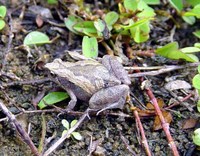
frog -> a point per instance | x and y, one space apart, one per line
104 84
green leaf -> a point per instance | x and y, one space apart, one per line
140 33
2 24
193 57
196 137
197 33
194 12
86 27
193 2
71 21
152 2
65 132
199 69
177 4
77 136
3 11
53 2
190 50
73 123
90 47
131 4
196 81
197 45
36 38
65 124
146 13
135 24
100 25
52 98
198 105
189 19
111 18
171 51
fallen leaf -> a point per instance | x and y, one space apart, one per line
160 104
157 124
189 123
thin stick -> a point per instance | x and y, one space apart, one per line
144 139
164 124
162 70
24 135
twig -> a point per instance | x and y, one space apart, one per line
164 124
144 139
24 135
162 70
28 82
179 102
9 41
72 129
42 138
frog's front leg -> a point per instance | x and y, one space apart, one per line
109 98
66 86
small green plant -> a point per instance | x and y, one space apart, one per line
187 16
132 20
172 51
3 11
52 98
66 124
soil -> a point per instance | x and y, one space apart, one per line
21 65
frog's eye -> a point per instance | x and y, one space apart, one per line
106 84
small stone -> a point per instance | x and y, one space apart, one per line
157 148
100 151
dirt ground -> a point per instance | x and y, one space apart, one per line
21 65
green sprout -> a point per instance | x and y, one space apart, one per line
76 135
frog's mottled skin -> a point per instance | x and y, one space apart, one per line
104 85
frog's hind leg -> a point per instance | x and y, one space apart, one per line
109 98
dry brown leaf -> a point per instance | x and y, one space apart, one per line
189 123
157 124
160 104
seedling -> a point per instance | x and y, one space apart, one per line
76 135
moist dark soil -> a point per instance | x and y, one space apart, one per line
19 65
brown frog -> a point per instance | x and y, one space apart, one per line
104 85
